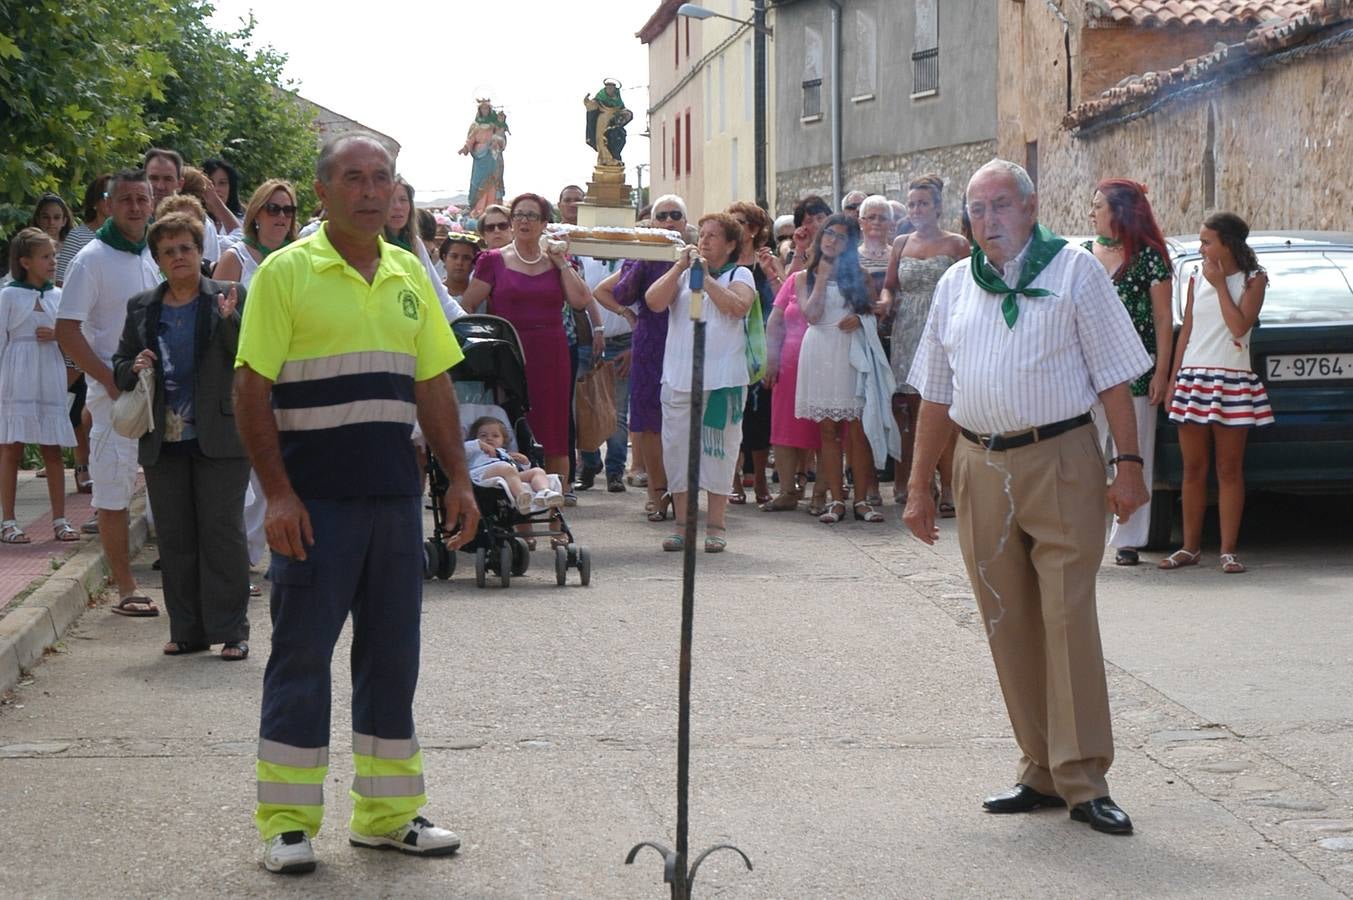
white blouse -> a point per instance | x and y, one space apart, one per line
725 339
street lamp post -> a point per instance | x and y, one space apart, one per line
761 31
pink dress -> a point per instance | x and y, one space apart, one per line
532 303
786 429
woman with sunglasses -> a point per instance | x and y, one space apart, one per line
528 285
495 226
269 224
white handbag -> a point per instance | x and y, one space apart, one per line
133 413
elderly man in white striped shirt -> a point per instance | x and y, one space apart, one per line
1022 340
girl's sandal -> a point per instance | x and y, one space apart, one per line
62 530
865 512
1179 559
11 533
715 543
83 484
836 511
1230 565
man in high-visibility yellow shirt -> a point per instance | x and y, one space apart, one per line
342 347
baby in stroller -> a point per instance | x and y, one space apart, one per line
488 460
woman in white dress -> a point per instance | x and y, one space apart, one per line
836 295
269 225
32 380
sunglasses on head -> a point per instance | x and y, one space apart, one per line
277 209
494 226
672 214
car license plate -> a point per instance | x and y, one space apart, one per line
1315 367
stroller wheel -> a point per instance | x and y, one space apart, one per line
446 564
481 567
584 566
560 565
521 557
505 564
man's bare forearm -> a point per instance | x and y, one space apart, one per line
1121 417
932 432
72 342
258 431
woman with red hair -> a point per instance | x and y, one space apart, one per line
1129 244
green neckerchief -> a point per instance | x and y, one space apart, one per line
109 234
1043 246
253 242
724 269
403 245
722 403
41 289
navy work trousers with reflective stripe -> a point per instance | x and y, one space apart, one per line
366 560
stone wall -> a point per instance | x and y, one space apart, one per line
1282 144
889 176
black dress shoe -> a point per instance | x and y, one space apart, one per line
1103 815
1020 798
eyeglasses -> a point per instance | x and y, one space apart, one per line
277 209
526 217
486 227
851 207
669 214
834 235
174 251
876 217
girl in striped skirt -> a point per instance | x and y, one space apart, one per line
1217 396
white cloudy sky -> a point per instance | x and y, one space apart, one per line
412 68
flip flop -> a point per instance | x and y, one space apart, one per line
127 607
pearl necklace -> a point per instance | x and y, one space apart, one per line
522 257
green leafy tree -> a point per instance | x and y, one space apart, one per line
87 85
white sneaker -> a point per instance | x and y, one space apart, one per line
552 498
525 500
417 836
289 853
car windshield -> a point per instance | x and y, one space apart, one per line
1305 287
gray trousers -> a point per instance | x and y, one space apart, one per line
198 505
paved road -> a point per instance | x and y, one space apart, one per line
847 723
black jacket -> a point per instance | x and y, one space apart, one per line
217 341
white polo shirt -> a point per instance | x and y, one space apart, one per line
99 282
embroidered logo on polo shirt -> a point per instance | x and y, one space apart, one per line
409 301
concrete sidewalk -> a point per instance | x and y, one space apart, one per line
45 585
846 724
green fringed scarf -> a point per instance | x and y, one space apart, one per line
723 407
109 234
1042 248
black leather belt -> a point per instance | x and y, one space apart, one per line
1032 436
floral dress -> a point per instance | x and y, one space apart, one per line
1146 271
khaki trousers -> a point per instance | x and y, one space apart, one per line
1037 599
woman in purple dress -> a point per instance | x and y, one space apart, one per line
624 292
528 286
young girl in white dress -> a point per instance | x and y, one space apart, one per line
32 381
1217 396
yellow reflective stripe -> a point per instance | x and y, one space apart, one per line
293 757
387 785
384 748
267 771
358 412
288 795
357 363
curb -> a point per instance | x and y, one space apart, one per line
41 620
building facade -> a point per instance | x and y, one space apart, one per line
1237 105
917 87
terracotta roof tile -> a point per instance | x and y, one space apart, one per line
1269 38
1194 12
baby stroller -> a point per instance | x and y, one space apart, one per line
491 381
